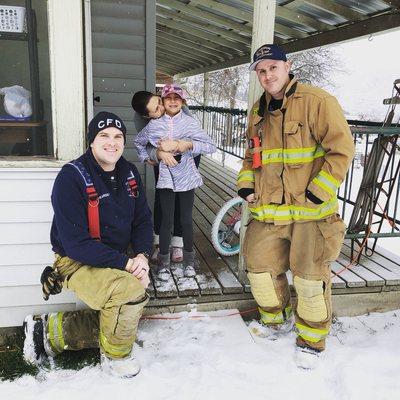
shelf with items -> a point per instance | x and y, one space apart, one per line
35 126
13 36
22 124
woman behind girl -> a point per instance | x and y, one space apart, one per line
182 137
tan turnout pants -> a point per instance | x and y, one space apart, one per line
306 248
116 299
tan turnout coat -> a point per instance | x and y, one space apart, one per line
305 145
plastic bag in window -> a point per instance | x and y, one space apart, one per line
17 101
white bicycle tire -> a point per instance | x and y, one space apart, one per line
215 227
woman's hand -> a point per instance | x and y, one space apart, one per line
168 145
184 146
167 158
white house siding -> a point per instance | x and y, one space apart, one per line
119 59
25 220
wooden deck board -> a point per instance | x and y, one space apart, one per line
150 289
384 258
370 278
351 279
165 288
220 184
217 278
228 172
388 255
388 277
230 184
337 282
206 279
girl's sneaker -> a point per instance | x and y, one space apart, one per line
177 254
189 264
156 251
163 263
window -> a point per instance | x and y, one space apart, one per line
25 124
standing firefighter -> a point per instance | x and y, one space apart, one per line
100 210
300 148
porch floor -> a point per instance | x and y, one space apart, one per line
218 282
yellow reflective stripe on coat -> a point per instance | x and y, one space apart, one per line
313 335
114 350
326 182
246 176
55 332
292 156
289 212
275 318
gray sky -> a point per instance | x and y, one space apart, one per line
372 65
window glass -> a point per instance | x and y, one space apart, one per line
25 102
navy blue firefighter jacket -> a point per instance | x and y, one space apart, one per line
124 220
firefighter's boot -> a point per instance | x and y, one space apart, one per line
307 358
36 346
273 325
127 367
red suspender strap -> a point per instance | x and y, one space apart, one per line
93 201
93 213
133 186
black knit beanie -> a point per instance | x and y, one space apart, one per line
104 120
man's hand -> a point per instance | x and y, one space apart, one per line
139 267
250 198
151 162
166 158
52 282
168 145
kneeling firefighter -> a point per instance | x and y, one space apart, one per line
300 148
100 210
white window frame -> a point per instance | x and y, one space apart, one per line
67 75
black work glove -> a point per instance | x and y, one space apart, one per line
313 198
244 192
51 281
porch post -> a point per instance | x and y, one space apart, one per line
263 32
67 75
206 98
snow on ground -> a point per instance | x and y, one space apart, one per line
217 358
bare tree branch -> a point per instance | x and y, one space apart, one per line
229 87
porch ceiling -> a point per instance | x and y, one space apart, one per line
197 36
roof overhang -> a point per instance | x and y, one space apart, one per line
198 36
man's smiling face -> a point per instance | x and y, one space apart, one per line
107 147
273 76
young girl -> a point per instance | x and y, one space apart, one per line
149 106
181 137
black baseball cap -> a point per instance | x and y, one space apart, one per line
267 52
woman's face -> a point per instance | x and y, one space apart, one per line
173 104
155 107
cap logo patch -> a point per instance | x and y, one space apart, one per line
263 51
108 122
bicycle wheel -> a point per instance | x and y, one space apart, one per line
226 227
